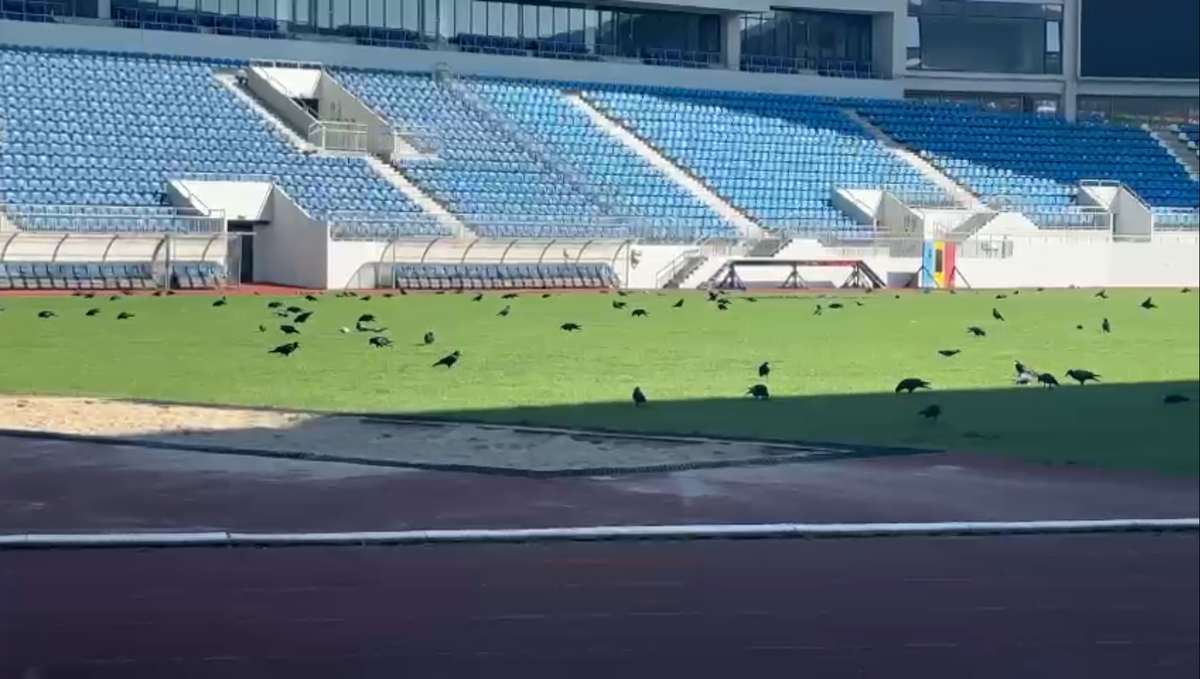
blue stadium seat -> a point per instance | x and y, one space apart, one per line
504 276
776 157
1036 163
96 131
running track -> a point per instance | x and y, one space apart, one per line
1086 606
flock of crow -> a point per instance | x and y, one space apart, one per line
296 316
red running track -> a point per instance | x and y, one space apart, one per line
1031 607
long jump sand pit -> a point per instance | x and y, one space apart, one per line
370 441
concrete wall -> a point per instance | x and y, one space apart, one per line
1062 261
351 263
245 201
297 83
103 38
653 258
275 95
338 103
293 249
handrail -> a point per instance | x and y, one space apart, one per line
674 266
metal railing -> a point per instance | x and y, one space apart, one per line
333 135
666 273
836 68
1175 219
1082 219
112 219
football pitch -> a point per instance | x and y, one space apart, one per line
831 381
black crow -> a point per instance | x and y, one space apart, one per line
1082 376
366 318
622 293
1022 368
262 328
303 318
89 295
295 310
311 298
712 296
639 398
124 316
677 305
1103 294
289 329
114 298
1041 289
221 302
931 412
571 327
911 384
285 349
92 312
448 360
505 311
509 295
379 342
997 315
1106 326
1172 399
765 369
477 298
1001 296
47 314
428 338
836 305
280 313
818 311
618 304
388 295
977 331
1148 303
367 298
274 305
858 303
1185 290
759 392
752 300
722 306
639 312
949 352
546 295
157 293
1047 379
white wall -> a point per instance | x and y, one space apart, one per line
297 83
64 36
246 201
653 259
1085 261
347 258
293 249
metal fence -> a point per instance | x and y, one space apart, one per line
85 219
332 135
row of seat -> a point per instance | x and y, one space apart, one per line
504 276
106 276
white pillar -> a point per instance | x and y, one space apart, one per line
103 9
731 34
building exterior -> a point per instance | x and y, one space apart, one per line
1067 57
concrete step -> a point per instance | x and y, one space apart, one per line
422 199
651 155
229 82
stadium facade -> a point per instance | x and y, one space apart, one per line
837 72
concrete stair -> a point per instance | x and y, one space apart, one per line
959 193
229 82
422 199
651 155
685 271
1177 147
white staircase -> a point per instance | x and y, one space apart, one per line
229 82
702 273
1186 156
652 156
961 195
420 198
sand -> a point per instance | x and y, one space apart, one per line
350 437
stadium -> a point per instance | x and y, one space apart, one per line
293 293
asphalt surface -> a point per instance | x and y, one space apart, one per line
1086 606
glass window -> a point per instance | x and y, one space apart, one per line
984 37
805 40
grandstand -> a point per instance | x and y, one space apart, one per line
220 148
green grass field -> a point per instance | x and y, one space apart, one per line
832 381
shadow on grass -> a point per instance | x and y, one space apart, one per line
1123 426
